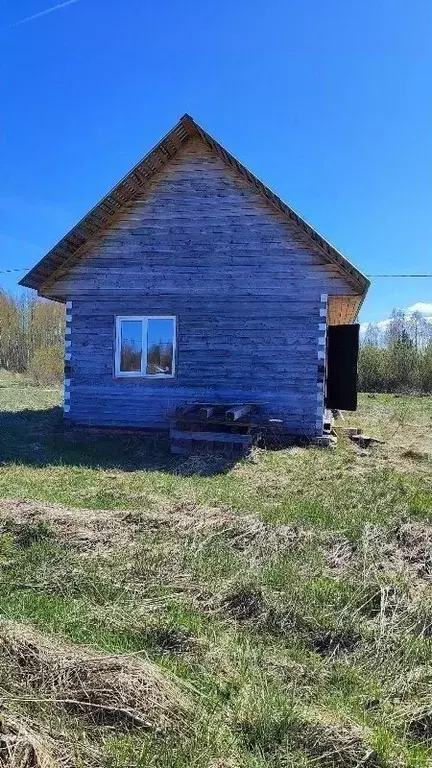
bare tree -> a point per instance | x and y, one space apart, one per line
27 325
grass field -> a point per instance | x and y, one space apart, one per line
172 612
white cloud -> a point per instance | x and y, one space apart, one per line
382 324
420 306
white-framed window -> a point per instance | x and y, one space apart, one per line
145 346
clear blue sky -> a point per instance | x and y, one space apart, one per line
328 102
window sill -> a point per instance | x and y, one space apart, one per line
146 377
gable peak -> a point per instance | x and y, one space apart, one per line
135 183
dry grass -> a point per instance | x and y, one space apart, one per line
337 745
404 549
47 676
157 612
404 424
23 746
108 689
98 531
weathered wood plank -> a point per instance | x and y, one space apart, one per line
243 282
216 437
206 411
233 414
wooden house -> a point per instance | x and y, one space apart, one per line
192 282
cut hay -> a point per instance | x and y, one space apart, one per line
416 719
336 745
320 736
89 531
123 691
414 546
93 532
21 746
242 531
419 726
405 549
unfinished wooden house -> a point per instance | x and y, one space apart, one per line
192 287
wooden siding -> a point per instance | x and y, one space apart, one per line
73 246
245 286
342 309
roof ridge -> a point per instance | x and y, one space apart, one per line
66 251
276 199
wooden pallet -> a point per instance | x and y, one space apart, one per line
213 428
187 442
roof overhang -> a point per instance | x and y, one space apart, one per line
69 249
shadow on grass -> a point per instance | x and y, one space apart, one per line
40 438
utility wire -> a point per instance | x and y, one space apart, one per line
426 275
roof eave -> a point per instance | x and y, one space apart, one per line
176 136
102 213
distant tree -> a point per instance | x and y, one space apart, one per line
396 327
402 363
28 324
12 342
426 368
371 368
419 329
373 336
398 359
46 365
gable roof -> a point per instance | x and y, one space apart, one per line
134 184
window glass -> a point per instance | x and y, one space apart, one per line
131 345
160 346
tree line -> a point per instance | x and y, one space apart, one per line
397 357
393 358
32 336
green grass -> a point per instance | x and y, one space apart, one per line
303 643
329 489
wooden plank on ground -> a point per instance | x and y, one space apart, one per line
206 411
238 412
217 437
181 410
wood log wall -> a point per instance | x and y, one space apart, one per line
243 282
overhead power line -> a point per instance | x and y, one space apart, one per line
425 275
